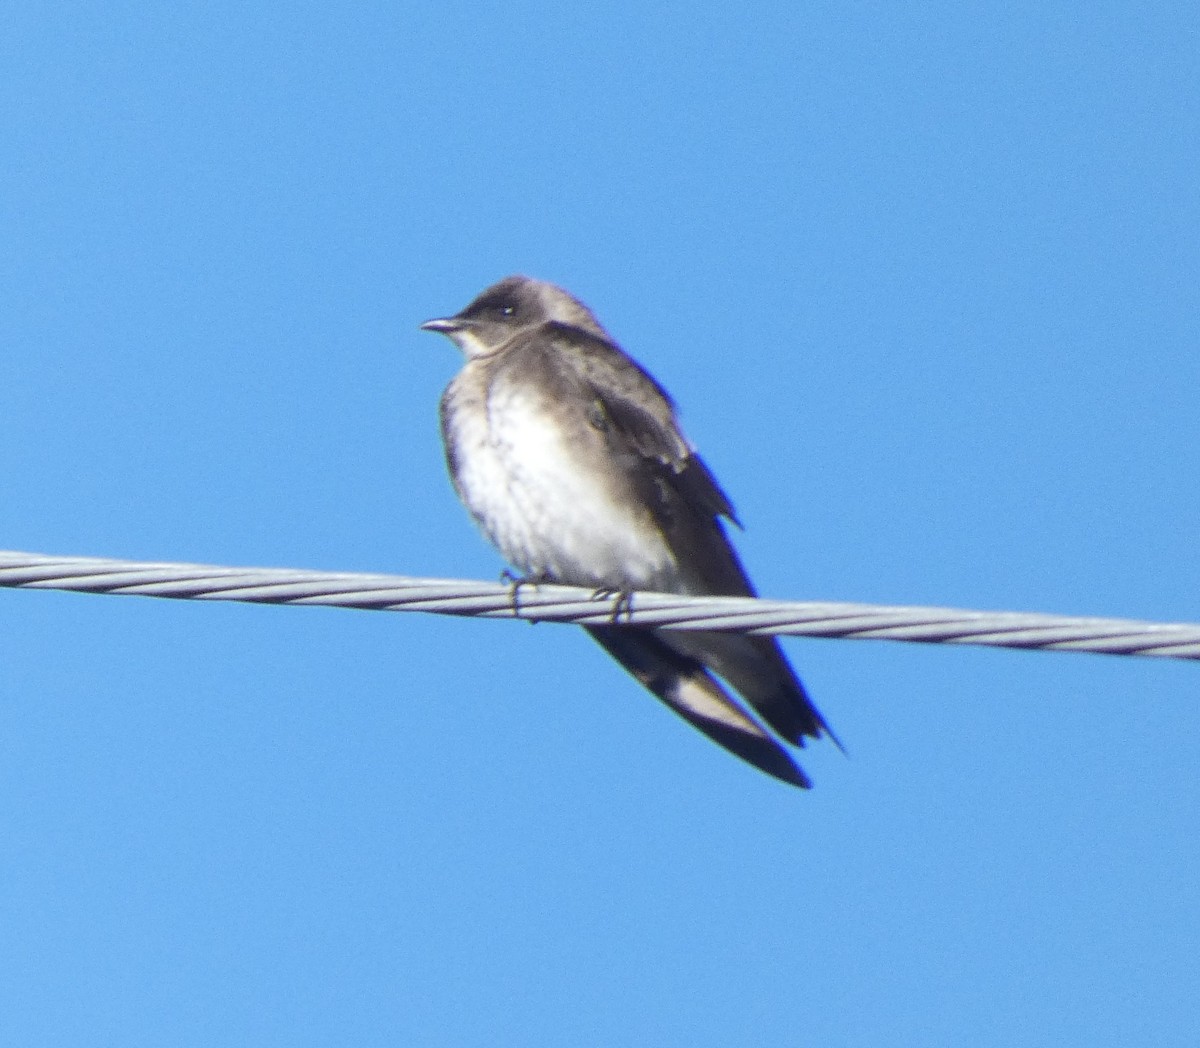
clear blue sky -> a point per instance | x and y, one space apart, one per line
924 282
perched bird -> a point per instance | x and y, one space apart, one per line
570 458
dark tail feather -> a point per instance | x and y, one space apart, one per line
684 685
756 669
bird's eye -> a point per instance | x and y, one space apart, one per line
497 308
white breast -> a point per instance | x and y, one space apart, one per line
549 504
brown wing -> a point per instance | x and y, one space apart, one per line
643 413
639 419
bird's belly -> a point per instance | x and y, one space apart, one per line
550 503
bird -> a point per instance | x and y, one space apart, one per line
569 456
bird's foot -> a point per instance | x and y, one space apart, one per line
622 603
515 582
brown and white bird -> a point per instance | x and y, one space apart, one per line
570 458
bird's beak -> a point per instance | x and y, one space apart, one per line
443 325
462 331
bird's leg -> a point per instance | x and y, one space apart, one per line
622 603
515 582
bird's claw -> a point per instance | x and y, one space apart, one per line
622 603
515 582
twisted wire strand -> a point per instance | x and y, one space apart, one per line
553 603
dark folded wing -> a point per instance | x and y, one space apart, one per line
644 415
671 479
